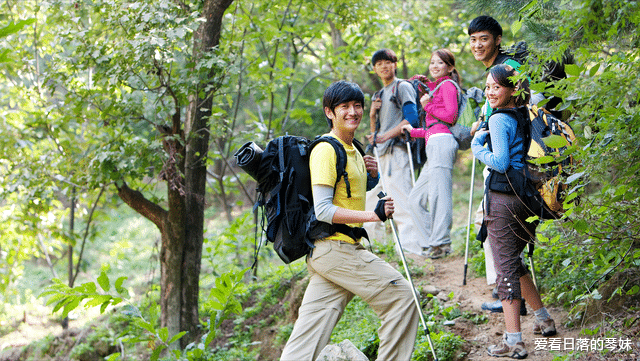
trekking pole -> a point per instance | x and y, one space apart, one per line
533 271
408 139
466 247
404 260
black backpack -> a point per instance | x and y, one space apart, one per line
417 146
518 52
284 192
552 70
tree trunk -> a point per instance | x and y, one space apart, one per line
182 225
207 38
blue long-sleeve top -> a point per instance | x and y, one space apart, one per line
506 147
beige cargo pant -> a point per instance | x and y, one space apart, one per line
338 271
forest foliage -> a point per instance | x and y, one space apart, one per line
73 130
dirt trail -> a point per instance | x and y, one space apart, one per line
447 276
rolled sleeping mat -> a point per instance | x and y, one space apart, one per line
249 157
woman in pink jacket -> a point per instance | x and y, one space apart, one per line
431 197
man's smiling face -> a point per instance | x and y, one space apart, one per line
385 69
484 46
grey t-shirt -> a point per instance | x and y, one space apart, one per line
390 115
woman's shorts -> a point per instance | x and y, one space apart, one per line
508 234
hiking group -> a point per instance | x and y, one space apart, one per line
369 189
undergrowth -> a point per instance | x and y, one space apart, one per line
568 274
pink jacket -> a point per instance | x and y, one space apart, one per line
443 105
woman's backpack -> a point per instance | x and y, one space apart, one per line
550 136
461 127
548 158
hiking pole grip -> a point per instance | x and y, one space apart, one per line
379 210
406 136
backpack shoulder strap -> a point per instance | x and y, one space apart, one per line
377 95
455 84
459 97
341 159
359 146
447 80
522 117
396 92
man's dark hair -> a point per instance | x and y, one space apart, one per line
384 54
485 23
341 92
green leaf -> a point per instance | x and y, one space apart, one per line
570 197
103 280
515 27
215 305
543 160
104 306
555 141
118 285
13 28
635 289
540 88
163 334
61 303
573 69
532 219
581 225
177 337
114 357
116 300
146 325
88 287
528 7
98 300
155 355
72 305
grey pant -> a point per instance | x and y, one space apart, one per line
432 194
338 271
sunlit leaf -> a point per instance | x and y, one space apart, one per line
555 141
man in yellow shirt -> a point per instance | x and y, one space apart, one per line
340 267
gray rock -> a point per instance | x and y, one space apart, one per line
344 351
429 289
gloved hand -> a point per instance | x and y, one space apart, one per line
379 210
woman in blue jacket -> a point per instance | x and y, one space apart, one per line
505 214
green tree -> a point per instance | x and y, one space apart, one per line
118 91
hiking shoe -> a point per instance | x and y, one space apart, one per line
496 306
494 293
504 350
546 328
439 251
